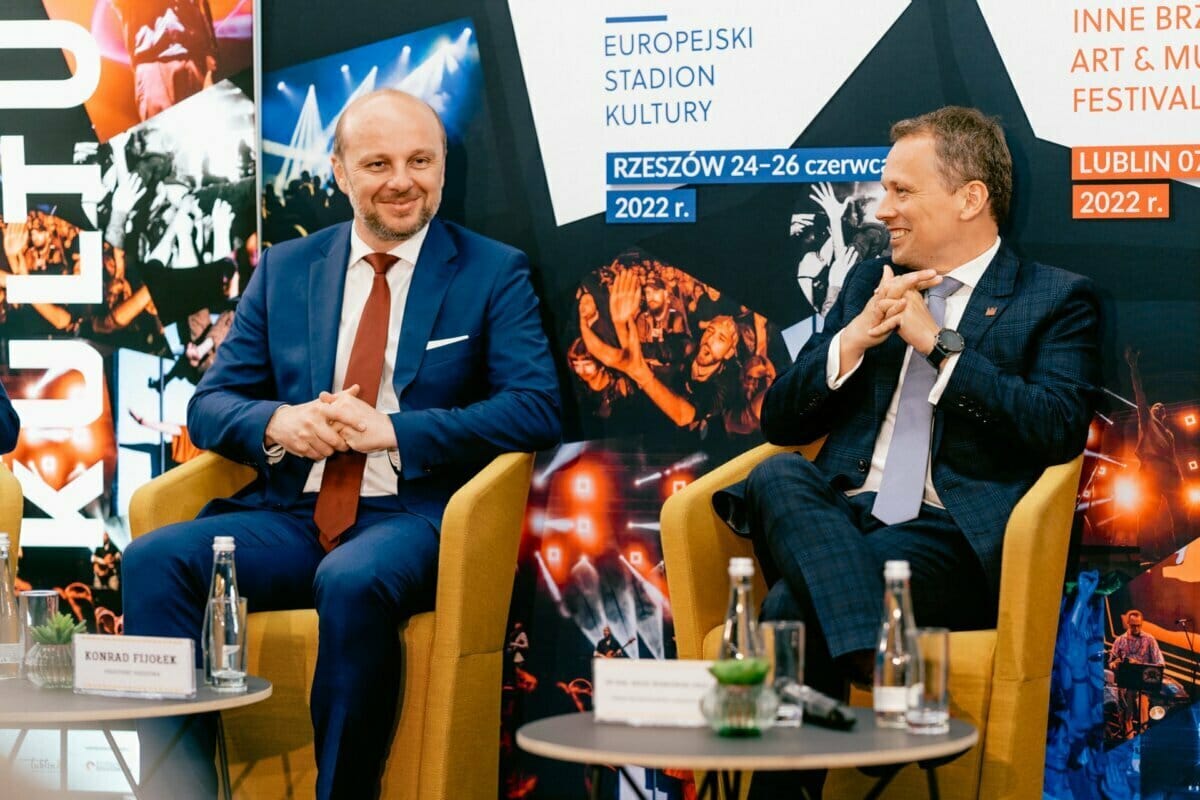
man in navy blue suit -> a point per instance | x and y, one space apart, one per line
466 374
947 378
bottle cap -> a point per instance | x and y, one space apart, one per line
741 567
896 570
223 543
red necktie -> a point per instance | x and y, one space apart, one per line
337 503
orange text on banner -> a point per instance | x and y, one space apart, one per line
1129 162
1121 201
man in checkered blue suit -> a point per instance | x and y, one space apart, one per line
1009 375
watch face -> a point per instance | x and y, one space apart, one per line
950 340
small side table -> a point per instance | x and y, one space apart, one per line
580 739
24 706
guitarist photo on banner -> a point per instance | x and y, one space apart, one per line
609 647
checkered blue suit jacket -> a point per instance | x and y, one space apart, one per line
1020 398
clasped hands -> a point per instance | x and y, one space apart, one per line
331 423
896 305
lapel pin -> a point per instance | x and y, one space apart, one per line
991 311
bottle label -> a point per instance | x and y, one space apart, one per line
11 653
891 698
915 694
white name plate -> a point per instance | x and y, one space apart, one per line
650 692
135 666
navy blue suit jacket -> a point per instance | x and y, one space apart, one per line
461 404
1020 399
10 423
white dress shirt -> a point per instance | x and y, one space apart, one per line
379 477
969 274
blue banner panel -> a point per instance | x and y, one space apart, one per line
799 165
648 206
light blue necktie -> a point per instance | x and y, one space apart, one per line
903 485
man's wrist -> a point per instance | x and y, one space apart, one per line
850 349
926 346
269 442
641 375
856 338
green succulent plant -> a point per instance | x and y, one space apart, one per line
740 672
59 630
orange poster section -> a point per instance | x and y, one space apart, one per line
1136 162
1121 201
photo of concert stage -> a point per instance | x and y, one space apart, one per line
1150 648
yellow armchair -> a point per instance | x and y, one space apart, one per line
12 509
446 743
999 679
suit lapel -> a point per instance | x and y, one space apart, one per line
990 297
326 286
431 278
988 301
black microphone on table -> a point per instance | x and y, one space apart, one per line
1183 621
821 709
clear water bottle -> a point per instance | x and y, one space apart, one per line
12 646
740 637
897 659
224 623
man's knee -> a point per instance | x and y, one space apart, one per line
156 553
175 554
345 582
782 472
160 572
141 551
346 586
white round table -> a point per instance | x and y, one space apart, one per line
580 739
25 706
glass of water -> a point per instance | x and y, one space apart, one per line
929 700
225 645
37 607
783 645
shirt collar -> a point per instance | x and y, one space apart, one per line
970 273
409 249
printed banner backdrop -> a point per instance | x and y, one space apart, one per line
728 159
127 170
709 174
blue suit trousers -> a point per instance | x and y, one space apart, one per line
383 572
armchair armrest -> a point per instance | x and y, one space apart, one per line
481 533
12 509
1035 560
697 546
179 494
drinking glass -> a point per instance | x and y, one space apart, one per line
929 701
226 645
37 607
783 645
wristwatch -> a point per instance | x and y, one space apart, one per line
945 344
